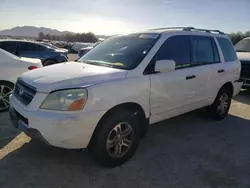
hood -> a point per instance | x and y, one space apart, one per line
243 56
70 75
31 60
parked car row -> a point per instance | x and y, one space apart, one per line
47 54
107 100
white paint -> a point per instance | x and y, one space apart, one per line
161 96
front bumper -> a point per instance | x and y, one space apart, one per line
20 122
61 129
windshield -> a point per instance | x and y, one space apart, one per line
243 46
123 52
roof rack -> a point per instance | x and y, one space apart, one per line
189 29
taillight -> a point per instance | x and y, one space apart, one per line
32 67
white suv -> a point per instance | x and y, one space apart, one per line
107 99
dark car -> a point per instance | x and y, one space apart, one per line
29 49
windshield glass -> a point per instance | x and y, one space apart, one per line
123 52
243 46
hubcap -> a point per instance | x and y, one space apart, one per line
5 92
223 106
119 140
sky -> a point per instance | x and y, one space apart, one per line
123 16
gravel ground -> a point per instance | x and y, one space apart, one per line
189 151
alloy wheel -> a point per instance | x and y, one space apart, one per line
223 105
119 140
5 92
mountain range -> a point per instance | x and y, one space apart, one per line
31 31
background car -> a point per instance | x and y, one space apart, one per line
29 49
11 67
83 51
53 46
243 51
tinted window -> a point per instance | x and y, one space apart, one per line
176 48
8 46
27 47
203 52
227 49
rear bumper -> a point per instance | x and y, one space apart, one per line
237 86
246 82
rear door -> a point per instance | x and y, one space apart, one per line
206 63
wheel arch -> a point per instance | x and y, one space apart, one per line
228 85
7 81
133 107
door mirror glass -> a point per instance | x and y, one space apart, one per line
164 66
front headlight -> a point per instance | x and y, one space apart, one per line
65 100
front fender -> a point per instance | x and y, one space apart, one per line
104 96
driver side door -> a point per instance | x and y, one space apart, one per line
173 93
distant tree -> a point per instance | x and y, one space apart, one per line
41 35
48 36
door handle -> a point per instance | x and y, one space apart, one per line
190 77
221 70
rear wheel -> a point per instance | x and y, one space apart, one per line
116 139
219 109
6 90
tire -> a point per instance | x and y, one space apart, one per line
105 143
49 62
6 88
219 109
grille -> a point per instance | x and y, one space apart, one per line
245 69
24 92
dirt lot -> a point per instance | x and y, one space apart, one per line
187 151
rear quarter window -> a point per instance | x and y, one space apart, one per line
227 49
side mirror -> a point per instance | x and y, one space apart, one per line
164 66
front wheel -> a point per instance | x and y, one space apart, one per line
219 109
116 139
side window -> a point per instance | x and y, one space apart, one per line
227 49
203 51
8 46
29 47
176 48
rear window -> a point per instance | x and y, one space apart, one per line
227 49
8 46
